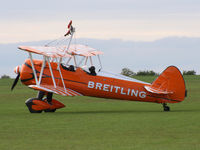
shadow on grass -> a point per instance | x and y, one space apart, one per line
105 112
123 111
186 110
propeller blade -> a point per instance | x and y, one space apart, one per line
15 82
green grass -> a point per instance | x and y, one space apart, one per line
99 124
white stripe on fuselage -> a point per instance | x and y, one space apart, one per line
119 76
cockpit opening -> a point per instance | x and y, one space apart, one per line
70 68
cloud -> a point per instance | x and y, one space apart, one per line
135 30
90 9
157 55
126 19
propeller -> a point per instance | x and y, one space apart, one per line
15 82
17 71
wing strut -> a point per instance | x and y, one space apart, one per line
62 78
42 69
68 60
86 60
54 83
91 60
33 68
100 62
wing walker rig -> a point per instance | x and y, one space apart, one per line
70 70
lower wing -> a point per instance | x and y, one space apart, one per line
58 90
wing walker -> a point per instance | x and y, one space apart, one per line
70 70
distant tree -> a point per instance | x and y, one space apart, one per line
146 73
190 72
5 77
127 72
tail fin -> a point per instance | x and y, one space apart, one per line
170 83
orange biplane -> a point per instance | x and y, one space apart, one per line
56 74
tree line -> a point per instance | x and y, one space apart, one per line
5 76
130 73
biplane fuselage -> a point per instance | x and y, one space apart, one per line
89 85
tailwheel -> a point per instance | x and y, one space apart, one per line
165 107
30 104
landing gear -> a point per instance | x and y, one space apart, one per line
47 104
48 99
29 103
165 107
37 105
40 95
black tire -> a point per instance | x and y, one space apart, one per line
166 108
29 104
50 110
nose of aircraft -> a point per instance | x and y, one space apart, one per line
17 69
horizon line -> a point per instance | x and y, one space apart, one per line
90 38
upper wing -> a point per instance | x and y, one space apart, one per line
61 51
83 50
53 52
58 90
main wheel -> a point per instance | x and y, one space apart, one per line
166 108
29 103
49 110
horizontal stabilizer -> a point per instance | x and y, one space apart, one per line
156 91
58 90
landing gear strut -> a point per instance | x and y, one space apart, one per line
165 107
48 99
40 95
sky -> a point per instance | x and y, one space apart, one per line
143 20
110 25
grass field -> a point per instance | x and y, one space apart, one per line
99 124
